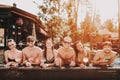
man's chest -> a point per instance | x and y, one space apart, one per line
106 56
66 54
31 53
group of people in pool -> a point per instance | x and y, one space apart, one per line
65 55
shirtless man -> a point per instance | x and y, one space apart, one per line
106 56
66 54
32 55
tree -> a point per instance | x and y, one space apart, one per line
87 28
109 25
50 15
59 17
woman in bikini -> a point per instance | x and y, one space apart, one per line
13 56
83 56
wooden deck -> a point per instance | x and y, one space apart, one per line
76 73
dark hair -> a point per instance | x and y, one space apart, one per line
10 40
75 48
45 48
45 52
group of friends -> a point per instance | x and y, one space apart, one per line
65 55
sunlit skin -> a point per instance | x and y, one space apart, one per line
83 56
66 55
51 53
104 57
32 55
49 50
13 54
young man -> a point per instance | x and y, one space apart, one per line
32 55
66 54
106 56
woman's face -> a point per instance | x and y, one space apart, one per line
49 43
11 45
79 46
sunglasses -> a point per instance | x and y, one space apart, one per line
30 41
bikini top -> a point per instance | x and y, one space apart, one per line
11 60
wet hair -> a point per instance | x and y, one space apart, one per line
67 39
11 40
45 47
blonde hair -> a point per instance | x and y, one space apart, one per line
11 40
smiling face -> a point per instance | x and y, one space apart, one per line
107 48
11 44
49 43
67 41
30 41
79 46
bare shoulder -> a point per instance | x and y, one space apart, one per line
60 49
38 48
19 51
71 48
55 51
99 52
7 51
114 53
24 49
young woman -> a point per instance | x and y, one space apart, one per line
83 56
49 52
13 56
